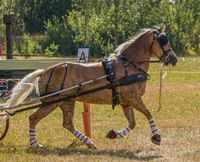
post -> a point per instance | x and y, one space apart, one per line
83 54
86 119
160 90
8 20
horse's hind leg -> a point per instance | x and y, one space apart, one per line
68 113
139 105
129 114
34 119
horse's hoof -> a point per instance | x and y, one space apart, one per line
156 139
111 134
36 146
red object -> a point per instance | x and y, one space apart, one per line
1 49
86 119
111 134
2 81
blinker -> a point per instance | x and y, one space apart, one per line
162 39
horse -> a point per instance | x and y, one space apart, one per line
131 57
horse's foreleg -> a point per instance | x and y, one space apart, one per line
139 105
68 113
129 114
34 119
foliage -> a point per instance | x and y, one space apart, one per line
52 50
29 46
35 13
103 24
6 7
60 33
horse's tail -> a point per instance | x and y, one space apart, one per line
21 91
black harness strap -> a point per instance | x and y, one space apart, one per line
109 70
125 59
63 82
125 63
50 76
49 80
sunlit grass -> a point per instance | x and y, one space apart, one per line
178 121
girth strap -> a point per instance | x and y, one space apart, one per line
50 76
49 80
63 82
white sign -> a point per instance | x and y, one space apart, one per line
83 54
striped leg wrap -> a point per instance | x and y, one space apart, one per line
154 128
123 133
82 137
33 138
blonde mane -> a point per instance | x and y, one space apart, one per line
126 44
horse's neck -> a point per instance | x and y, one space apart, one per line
138 52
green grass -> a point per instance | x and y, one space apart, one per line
178 121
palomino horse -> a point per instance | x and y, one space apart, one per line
137 52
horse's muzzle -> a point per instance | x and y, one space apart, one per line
173 60
170 58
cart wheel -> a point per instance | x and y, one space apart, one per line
4 125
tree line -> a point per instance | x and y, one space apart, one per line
101 24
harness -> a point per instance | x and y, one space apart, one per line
127 79
49 80
111 77
109 70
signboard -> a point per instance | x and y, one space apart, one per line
83 54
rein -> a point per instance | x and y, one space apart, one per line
150 61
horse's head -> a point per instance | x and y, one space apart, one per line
160 47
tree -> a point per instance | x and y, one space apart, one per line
6 8
103 24
35 13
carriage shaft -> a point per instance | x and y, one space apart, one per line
54 94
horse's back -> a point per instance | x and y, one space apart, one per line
67 74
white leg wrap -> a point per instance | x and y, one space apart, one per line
124 132
33 138
82 137
153 126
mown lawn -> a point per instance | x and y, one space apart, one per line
178 121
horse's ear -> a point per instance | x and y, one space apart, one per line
156 27
161 29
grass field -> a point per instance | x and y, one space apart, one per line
178 121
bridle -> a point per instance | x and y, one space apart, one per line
162 41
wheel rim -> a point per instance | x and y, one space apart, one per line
4 126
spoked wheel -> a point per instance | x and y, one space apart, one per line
4 96
4 126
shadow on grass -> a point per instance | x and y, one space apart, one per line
122 153
84 151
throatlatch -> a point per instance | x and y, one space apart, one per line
109 70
